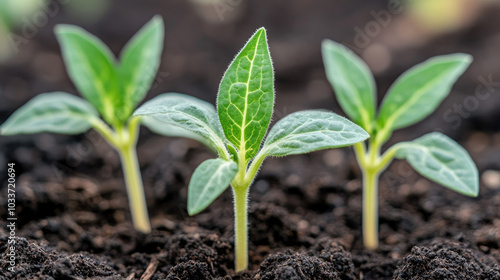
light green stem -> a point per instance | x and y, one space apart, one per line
372 164
124 140
135 189
240 228
370 209
241 185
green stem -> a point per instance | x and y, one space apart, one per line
124 141
370 208
240 185
241 227
372 164
132 173
135 190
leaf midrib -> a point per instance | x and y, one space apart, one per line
416 96
365 118
106 102
243 126
427 151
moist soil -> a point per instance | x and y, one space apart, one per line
72 212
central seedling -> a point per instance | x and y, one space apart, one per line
413 96
236 131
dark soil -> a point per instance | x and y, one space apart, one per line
305 211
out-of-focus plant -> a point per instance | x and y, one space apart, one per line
412 97
112 88
443 16
12 14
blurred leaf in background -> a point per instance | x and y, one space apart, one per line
19 16
12 14
444 16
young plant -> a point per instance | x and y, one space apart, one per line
113 90
414 95
236 131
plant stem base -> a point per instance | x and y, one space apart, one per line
241 228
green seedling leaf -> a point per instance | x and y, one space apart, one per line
114 89
209 181
441 159
246 96
162 128
353 83
56 112
307 131
91 67
191 117
140 60
419 91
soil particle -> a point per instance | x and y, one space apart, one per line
191 270
334 253
325 260
197 256
270 225
38 261
447 260
297 266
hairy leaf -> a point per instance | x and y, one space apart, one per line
139 63
419 91
209 181
190 117
165 129
56 112
441 159
91 67
308 131
353 83
246 96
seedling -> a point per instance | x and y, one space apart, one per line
413 96
113 90
236 131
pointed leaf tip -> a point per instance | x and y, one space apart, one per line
246 96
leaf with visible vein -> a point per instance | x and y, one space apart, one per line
353 83
246 96
441 159
419 91
91 67
209 181
139 63
188 114
307 131
56 112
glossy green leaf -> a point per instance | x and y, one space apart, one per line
246 96
209 181
56 112
91 67
441 159
139 63
191 117
419 91
307 131
353 83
